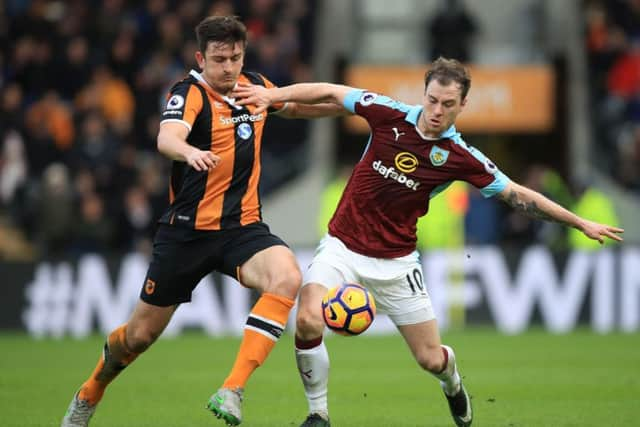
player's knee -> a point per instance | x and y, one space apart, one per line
140 339
431 361
309 321
287 284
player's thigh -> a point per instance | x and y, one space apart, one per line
401 295
180 259
331 265
273 270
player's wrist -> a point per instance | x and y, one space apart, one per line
276 95
579 223
189 152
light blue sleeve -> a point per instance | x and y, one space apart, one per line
499 183
500 180
352 97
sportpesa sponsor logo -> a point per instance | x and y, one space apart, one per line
390 172
241 119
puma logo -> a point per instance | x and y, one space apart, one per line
398 134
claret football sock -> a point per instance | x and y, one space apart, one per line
449 376
312 359
115 357
264 327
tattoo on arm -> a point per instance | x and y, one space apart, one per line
530 208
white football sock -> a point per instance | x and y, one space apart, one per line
449 378
313 366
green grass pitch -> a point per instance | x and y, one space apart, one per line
533 379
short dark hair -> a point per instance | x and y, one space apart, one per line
444 71
223 29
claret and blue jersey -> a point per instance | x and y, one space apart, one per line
400 170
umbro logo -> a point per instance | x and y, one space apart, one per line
397 133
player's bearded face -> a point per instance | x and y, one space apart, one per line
221 65
442 104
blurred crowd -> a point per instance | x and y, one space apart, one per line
82 84
613 46
81 87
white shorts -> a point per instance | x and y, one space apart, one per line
395 283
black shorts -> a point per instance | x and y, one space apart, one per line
182 257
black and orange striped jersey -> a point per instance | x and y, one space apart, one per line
227 195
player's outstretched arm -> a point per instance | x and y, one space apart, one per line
296 110
535 205
301 93
172 142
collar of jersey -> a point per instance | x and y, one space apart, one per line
412 117
196 75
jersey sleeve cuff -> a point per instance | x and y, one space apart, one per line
498 185
187 125
351 98
282 108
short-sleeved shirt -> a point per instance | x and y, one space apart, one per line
227 195
399 172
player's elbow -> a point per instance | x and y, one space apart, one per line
159 143
289 111
163 142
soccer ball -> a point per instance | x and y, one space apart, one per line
348 309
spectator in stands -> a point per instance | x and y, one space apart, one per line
13 167
613 42
73 70
443 227
623 79
52 212
11 110
110 95
604 41
122 56
55 117
481 223
49 131
221 8
110 63
96 149
451 31
136 221
597 205
92 230
628 161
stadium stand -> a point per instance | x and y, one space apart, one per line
613 45
81 87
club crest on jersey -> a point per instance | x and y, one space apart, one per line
244 131
438 156
175 102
